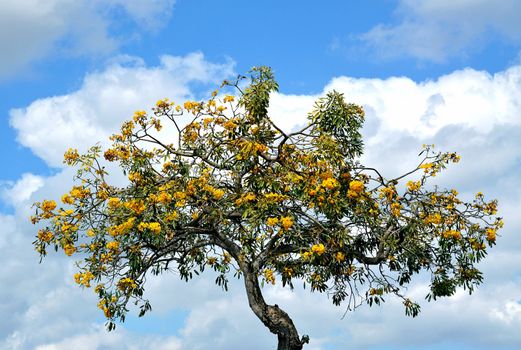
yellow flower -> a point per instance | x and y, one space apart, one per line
452 234
113 202
413 186
69 249
491 234
396 208
318 249
45 236
228 98
218 194
127 284
171 216
48 205
433 219
340 257
114 246
272 221
286 222
269 276
71 156
135 205
331 183
79 192
356 186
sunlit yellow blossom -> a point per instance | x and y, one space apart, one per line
90 233
339 256
45 236
123 228
164 197
113 202
491 234
413 186
433 219
228 98
154 227
330 183
127 284
356 186
69 249
286 222
113 245
396 208
71 156
318 249
135 205
218 194
83 278
452 234
272 221
48 205
269 276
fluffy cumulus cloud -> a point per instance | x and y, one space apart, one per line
105 99
469 111
32 29
435 30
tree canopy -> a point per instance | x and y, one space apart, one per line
222 187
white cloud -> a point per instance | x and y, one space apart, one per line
468 111
32 29
436 30
22 190
50 125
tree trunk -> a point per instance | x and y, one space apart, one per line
277 321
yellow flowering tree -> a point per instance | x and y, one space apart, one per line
233 192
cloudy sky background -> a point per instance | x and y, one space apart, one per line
430 71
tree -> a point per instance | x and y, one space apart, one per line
231 191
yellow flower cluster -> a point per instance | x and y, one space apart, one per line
248 197
45 236
318 249
491 234
340 257
139 116
434 218
154 227
69 249
396 208
48 205
127 284
452 234
413 185
71 156
355 189
79 192
136 205
113 246
172 216
228 98
123 228
272 221
388 192
286 222
83 278
330 183
269 276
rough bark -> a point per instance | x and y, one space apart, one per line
274 318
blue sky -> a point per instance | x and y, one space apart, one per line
429 71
